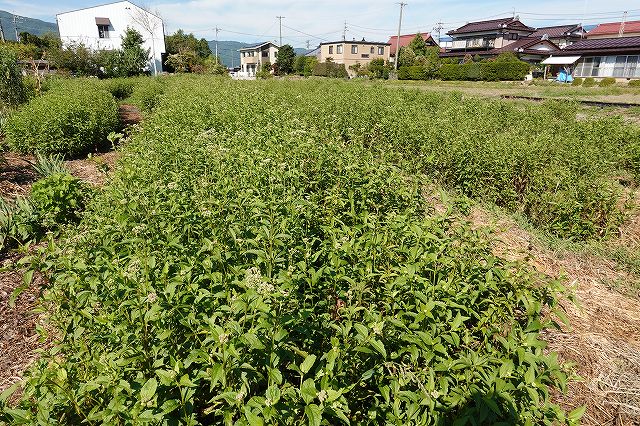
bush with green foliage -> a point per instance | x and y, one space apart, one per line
120 88
61 122
589 82
55 200
506 67
59 199
12 88
634 83
330 69
577 81
284 267
607 81
147 93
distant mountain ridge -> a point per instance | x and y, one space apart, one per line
228 51
30 25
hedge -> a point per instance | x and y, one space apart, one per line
330 69
486 71
63 122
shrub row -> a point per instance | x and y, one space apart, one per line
277 262
485 71
330 69
63 122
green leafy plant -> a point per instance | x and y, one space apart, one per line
59 199
589 82
577 81
634 83
12 89
66 123
46 165
284 266
607 82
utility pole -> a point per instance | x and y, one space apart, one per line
280 19
217 30
344 31
16 19
624 20
308 44
438 28
395 65
1 32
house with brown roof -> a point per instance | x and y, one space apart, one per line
617 57
405 39
615 29
560 35
483 36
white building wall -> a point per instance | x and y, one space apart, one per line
79 26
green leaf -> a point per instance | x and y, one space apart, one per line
314 414
379 347
252 418
273 394
307 363
308 391
148 390
577 414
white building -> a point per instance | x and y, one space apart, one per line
253 57
102 28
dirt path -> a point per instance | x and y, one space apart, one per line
603 338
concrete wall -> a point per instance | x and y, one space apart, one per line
80 27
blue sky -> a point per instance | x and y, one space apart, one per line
323 20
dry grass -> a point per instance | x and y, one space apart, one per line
603 339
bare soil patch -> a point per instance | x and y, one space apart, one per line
18 337
603 336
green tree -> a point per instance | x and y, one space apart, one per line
284 59
128 61
180 42
76 59
406 57
12 89
299 63
134 56
418 45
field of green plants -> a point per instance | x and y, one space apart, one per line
268 253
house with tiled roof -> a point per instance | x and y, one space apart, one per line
528 49
560 35
615 29
405 39
617 57
476 37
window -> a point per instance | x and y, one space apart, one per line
513 36
365 55
339 49
265 53
626 66
381 50
354 49
373 50
103 31
589 67
595 71
330 50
